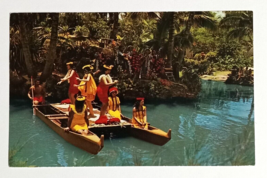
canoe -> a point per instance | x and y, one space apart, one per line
54 118
118 129
151 135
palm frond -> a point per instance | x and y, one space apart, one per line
239 32
240 24
204 21
237 19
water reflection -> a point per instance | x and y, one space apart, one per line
60 155
226 112
219 90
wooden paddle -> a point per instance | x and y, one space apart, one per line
33 106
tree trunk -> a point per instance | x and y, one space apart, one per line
181 54
25 45
171 39
113 34
189 23
103 16
175 68
177 65
48 69
111 18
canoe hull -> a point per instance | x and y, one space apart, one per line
155 136
152 134
90 143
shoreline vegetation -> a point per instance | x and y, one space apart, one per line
130 90
165 54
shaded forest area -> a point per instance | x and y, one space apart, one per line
166 52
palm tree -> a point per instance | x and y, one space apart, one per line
162 31
24 38
239 24
184 39
170 23
52 48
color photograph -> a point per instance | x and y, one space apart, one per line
131 89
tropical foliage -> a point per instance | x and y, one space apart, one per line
136 32
98 27
195 42
239 24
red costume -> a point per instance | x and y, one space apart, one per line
66 101
73 81
40 99
102 92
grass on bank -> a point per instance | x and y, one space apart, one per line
19 162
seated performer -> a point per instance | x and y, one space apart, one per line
78 121
114 108
38 92
88 87
139 114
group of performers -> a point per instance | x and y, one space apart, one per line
83 91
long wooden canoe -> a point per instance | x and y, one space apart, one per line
151 135
54 119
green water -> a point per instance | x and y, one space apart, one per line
216 129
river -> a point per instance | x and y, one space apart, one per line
215 129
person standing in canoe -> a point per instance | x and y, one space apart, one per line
71 76
139 114
39 93
88 87
105 82
114 108
78 121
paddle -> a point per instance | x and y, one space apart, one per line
33 106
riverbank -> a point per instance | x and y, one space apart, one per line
218 76
129 88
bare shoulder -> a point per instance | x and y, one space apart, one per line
103 76
134 109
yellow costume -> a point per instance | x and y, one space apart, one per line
114 104
139 115
89 89
78 120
